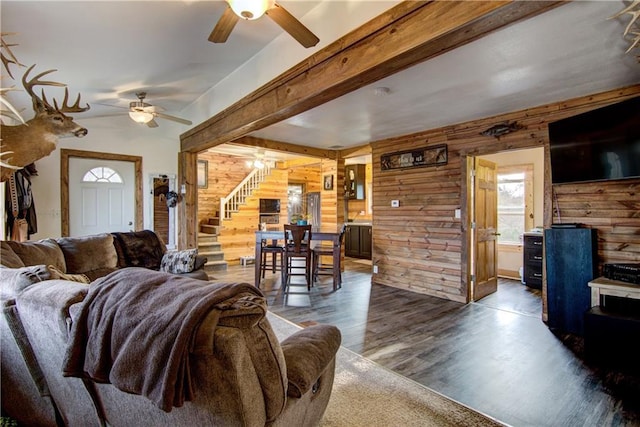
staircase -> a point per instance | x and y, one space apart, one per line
209 246
238 196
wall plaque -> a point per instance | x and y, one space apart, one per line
430 156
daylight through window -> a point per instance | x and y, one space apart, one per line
511 207
102 174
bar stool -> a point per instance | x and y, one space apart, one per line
273 249
297 247
326 250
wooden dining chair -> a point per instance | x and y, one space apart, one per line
274 251
324 249
297 247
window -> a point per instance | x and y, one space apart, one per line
515 200
102 174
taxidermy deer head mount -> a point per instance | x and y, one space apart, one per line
37 138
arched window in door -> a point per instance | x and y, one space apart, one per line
102 174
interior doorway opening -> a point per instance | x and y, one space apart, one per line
496 250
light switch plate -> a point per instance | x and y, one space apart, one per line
395 203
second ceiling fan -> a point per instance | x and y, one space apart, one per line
254 9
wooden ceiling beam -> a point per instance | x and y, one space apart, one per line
407 34
285 147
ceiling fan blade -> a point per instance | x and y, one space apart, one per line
152 124
173 118
291 25
224 26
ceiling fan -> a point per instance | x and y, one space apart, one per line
254 9
143 113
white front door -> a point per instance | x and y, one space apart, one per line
101 196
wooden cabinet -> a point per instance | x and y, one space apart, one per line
354 177
358 241
532 275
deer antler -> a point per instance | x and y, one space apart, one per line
39 104
10 57
6 165
6 103
634 10
75 108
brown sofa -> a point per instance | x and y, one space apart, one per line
94 256
240 373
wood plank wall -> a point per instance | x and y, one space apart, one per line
238 234
226 172
421 247
331 201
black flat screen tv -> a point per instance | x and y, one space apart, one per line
602 144
269 206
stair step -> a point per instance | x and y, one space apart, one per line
216 265
209 246
213 221
212 255
209 229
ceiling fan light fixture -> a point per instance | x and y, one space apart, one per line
141 116
250 9
258 164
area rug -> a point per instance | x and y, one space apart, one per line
367 394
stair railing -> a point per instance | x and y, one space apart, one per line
238 195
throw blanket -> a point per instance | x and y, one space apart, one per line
135 329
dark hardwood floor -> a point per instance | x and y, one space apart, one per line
495 355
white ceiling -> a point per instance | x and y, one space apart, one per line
107 51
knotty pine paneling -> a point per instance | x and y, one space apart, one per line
224 174
237 234
332 201
421 247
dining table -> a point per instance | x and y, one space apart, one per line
317 235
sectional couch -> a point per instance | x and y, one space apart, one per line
239 374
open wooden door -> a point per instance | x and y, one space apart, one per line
486 227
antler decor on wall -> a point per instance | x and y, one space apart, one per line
632 31
34 139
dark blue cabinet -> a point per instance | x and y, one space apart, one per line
570 256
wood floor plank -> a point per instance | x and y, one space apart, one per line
495 355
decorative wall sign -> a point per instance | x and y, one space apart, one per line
430 156
328 182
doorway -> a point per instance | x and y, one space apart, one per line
163 217
66 157
517 206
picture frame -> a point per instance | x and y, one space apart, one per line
428 156
328 182
203 171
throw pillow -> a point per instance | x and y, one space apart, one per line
39 252
88 253
57 274
15 280
179 261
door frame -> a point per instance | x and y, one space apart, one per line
467 255
66 154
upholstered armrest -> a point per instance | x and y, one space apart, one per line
307 354
201 260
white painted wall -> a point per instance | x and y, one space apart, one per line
159 146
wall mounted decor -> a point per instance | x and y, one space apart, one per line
429 156
328 182
502 129
203 171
